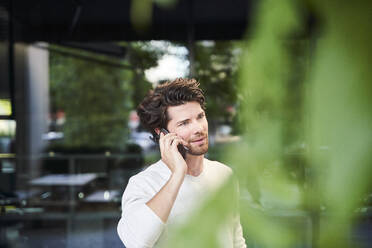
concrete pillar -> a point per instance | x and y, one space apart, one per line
31 76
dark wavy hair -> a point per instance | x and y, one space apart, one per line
152 111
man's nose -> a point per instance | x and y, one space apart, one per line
197 127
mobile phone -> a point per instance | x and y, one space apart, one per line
181 148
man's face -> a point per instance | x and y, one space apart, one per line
189 122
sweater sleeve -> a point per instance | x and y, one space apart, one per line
139 226
239 241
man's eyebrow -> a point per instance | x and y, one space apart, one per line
201 113
178 122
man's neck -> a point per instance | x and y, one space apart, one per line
194 165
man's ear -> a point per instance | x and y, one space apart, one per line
157 131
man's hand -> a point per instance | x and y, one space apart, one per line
163 201
170 155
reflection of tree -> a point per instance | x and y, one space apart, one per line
215 67
141 56
97 98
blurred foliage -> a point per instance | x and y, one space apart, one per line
339 104
304 107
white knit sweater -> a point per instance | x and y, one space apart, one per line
140 227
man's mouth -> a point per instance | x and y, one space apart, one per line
198 141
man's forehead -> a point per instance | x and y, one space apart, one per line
184 111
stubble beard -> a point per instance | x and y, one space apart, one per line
199 150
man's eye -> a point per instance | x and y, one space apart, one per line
201 116
183 124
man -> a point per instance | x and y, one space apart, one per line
167 191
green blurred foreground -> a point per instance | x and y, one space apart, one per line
307 136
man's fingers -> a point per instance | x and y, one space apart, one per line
178 140
170 141
181 141
172 137
161 141
184 142
166 140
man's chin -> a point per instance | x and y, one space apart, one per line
198 151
